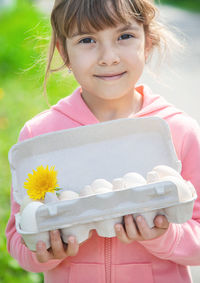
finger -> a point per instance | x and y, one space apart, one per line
57 245
90 236
41 252
161 221
121 234
22 242
73 246
143 227
130 227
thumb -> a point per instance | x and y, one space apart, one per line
161 221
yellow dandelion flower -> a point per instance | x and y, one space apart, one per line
42 180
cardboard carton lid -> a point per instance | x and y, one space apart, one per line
106 150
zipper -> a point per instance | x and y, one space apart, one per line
108 247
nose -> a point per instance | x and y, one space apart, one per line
109 56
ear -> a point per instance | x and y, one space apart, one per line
60 48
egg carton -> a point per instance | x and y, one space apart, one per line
102 211
105 150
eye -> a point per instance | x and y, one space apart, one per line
126 36
87 40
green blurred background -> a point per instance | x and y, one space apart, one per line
24 38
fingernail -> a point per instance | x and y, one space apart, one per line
71 240
139 219
129 218
118 228
40 245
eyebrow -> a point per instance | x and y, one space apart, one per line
124 28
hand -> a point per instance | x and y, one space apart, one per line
138 230
58 249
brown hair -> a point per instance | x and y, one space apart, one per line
99 14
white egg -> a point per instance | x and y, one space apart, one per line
87 190
26 200
101 183
133 179
102 190
28 221
163 171
50 197
183 187
152 177
67 195
118 184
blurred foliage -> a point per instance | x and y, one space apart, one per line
192 5
24 39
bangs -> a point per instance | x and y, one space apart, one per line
95 15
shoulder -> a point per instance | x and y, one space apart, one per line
47 121
184 124
62 115
185 132
37 123
186 137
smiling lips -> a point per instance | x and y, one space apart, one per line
109 77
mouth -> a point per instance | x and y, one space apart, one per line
110 77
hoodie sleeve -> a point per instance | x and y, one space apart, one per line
181 242
17 250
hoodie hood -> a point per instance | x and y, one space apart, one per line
76 109
155 105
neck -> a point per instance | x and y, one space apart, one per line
123 107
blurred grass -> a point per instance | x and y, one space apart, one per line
24 36
191 5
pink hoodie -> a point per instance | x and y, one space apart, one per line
162 260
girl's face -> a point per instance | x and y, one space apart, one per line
108 63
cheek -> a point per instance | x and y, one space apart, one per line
136 52
141 51
80 71
80 61
136 59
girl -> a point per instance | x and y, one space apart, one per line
105 43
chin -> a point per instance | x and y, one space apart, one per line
112 96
